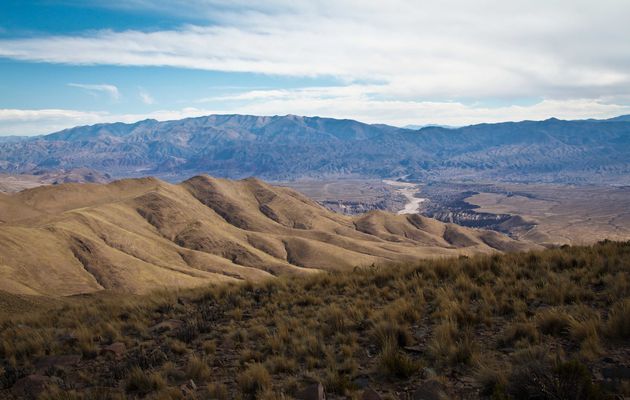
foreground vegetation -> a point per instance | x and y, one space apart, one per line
546 325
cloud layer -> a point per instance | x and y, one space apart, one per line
401 61
447 49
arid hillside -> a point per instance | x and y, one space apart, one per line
545 325
138 235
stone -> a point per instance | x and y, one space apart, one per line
361 381
370 394
69 339
167 325
117 349
414 349
312 392
428 373
188 388
430 390
31 386
616 373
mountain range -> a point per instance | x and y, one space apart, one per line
291 147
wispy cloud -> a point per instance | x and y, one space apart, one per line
313 103
437 50
146 97
363 103
43 121
426 61
110 90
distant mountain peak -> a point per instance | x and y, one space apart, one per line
292 146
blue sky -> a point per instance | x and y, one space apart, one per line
71 62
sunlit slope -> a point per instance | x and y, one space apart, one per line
138 235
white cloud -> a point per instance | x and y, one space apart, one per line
111 90
399 62
36 122
359 102
146 97
437 50
336 103
33 122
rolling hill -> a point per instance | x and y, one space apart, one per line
137 235
290 147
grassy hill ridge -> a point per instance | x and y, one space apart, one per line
138 235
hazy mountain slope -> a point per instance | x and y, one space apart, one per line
285 147
16 182
136 235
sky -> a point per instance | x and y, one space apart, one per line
65 63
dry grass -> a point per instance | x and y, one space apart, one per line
394 363
618 324
490 321
254 381
140 382
197 369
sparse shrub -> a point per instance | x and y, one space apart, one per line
554 322
9 374
209 347
197 369
249 355
386 331
404 310
239 336
218 391
335 319
540 379
21 344
236 314
618 323
254 381
53 392
178 347
189 331
583 328
258 331
336 380
281 364
146 358
172 373
141 382
585 332
442 345
522 333
465 350
492 381
394 363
